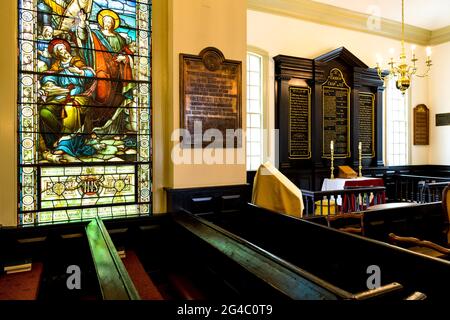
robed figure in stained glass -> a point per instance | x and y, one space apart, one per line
108 53
65 90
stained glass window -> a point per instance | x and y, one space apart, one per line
84 109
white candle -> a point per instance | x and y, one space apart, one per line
379 60
332 146
428 52
392 52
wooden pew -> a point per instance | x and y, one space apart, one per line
114 281
50 252
52 249
284 276
422 228
198 261
337 257
180 262
423 221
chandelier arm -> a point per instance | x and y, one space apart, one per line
424 75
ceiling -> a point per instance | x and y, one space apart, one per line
427 14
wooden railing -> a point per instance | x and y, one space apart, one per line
341 201
432 192
420 189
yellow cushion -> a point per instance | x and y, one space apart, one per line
274 191
324 204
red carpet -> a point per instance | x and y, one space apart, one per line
23 285
144 285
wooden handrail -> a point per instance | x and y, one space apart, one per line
114 281
422 243
383 290
422 177
342 191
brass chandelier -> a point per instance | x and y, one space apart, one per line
401 71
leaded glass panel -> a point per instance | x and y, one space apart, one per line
84 109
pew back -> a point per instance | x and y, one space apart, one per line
114 281
339 258
423 221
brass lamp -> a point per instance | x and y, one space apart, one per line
401 71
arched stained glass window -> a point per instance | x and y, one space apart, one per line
84 109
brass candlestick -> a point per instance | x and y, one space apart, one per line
332 160
360 159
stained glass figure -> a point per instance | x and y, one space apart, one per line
84 109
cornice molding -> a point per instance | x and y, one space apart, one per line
440 36
342 18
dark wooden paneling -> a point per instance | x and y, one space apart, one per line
295 71
208 199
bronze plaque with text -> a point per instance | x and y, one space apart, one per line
210 99
367 124
336 115
421 125
299 123
442 119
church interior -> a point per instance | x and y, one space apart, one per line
225 150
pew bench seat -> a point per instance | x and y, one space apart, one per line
144 285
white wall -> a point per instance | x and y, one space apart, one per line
195 25
283 35
439 97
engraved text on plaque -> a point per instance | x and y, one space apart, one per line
336 115
299 123
367 124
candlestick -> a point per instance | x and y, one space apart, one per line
360 158
332 158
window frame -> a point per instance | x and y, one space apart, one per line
265 134
390 88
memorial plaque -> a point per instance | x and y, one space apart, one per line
336 115
421 125
443 119
367 124
210 98
299 123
